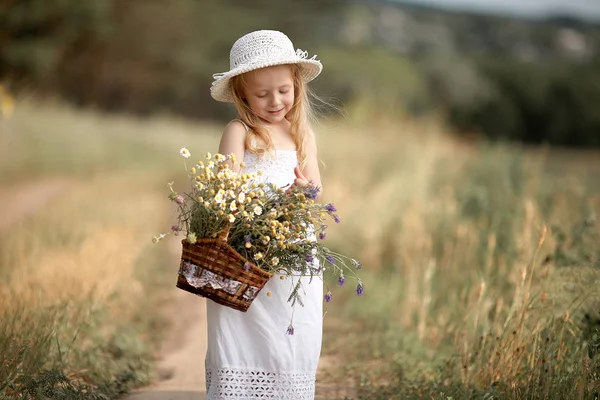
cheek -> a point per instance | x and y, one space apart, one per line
290 98
254 103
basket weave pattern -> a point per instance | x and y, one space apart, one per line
211 268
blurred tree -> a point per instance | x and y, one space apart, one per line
36 36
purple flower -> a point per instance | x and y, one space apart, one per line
360 288
336 218
330 207
328 296
179 199
309 258
248 239
341 280
322 235
175 228
312 191
356 263
331 259
290 330
247 266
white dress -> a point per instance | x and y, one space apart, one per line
249 354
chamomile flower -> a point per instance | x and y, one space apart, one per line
231 218
185 152
158 238
257 210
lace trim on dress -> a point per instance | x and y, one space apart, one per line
238 383
280 165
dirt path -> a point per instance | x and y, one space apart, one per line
20 201
181 361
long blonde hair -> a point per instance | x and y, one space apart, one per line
300 116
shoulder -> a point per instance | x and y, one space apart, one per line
235 131
233 138
236 127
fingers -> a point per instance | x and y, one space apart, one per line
300 182
299 174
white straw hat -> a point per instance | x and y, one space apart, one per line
261 49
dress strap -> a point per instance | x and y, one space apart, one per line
241 122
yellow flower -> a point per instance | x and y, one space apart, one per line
208 156
241 198
257 210
233 158
200 185
231 218
258 256
193 170
200 199
274 261
220 213
248 245
233 206
269 294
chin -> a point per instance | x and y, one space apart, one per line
273 119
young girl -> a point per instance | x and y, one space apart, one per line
250 355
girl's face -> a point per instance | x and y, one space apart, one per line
270 92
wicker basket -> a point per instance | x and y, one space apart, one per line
211 268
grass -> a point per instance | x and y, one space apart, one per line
482 272
76 316
480 261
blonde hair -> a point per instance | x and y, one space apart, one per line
300 116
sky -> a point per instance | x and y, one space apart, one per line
588 9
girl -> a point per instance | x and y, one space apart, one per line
250 355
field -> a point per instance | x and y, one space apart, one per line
481 261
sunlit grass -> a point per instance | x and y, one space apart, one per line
482 269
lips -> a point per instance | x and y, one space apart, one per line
275 112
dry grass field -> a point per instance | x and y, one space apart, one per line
481 261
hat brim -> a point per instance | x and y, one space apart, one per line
220 90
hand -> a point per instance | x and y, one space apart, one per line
300 180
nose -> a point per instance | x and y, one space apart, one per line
275 100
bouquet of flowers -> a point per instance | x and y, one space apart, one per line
239 232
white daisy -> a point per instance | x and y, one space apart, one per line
185 152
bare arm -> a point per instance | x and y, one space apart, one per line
311 168
233 141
